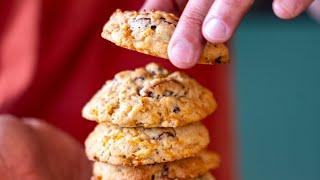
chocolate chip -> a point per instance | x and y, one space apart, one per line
141 78
167 93
152 177
165 171
147 19
167 134
143 21
161 70
218 60
139 124
168 22
150 94
153 27
176 109
165 21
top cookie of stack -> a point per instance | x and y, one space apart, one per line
149 32
150 97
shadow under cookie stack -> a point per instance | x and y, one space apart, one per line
149 127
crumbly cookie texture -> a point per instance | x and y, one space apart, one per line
140 146
150 97
206 176
149 32
189 168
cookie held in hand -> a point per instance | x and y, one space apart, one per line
149 32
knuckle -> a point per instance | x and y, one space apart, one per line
238 3
193 17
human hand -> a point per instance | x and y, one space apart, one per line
314 10
33 150
213 20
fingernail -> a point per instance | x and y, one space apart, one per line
286 8
215 30
183 54
289 5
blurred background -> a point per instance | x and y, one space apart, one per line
278 84
276 72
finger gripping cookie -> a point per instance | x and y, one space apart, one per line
150 97
140 146
190 168
149 32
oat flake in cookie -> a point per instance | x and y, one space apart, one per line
150 97
149 32
141 146
195 168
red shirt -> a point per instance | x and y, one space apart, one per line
52 60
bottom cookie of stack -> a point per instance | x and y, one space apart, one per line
193 168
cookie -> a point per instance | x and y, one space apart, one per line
150 97
189 168
149 32
140 146
206 176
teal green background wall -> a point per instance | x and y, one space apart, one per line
278 96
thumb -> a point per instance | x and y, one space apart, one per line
66 157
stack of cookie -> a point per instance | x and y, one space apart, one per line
149 127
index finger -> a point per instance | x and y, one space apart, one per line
223 18
186 43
